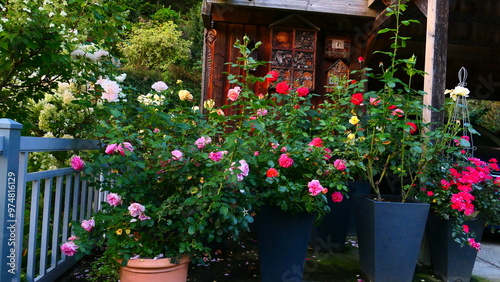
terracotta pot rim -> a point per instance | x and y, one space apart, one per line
156 263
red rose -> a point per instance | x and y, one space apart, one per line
357 99
282 88
360 59
272 172
302 91
413 128
272 76
337 197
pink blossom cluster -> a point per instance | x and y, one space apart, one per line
243 168
111 89
88 224
202 142
315 188
137 210
119 148
465 179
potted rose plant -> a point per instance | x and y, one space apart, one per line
391 146
173 186
292 171
464 196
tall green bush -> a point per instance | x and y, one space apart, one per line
155 47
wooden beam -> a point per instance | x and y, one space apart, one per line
340 7
422 5
435 59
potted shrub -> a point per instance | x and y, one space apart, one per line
292 171
388 142
463 196
173 185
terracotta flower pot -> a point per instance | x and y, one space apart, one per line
152 270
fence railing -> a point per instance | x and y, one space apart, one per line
36 208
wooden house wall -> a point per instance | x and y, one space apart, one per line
222 51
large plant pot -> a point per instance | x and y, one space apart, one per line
330 235
450 261
389 237
155 270
283 239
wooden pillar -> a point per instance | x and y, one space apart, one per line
435 58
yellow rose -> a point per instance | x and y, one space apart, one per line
351 136
185 95
209 104
119 232
178 81
127 231
354 120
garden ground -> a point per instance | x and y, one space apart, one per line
238 262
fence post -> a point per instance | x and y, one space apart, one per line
10 263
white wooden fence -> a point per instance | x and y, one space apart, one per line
36 208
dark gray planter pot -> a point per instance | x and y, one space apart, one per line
450 261
283 239
389 237
330 235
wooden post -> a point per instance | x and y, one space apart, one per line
435 58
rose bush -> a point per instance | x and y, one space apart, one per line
174 185
290 166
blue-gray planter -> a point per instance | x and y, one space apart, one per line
450 261
283 239
330 235
389 237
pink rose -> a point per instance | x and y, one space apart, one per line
88 224
114 199
316 142
302 91
159 86
234 93
285 161
177 155
202 142
77 163
119 148
261 112
136 209
340 164
374 101
243 168
110 149
337 197
73 238
315 188
110 88
216 156
142 216
69 248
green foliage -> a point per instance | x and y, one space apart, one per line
37 38
485 113
165 15
155 47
